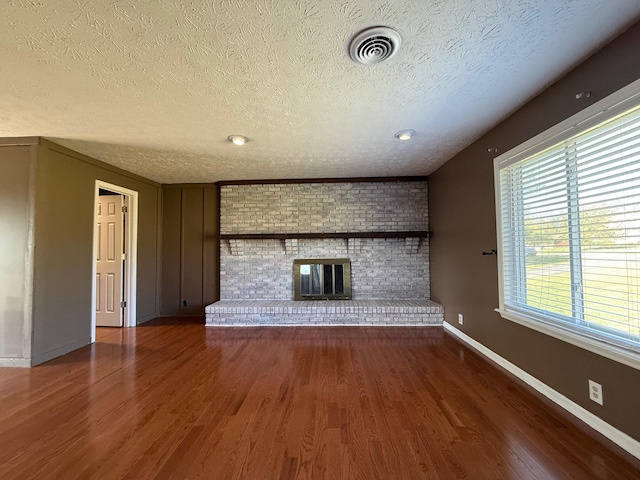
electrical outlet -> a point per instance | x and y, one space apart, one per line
595 392
184 303
460 319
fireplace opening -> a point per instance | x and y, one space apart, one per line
322 279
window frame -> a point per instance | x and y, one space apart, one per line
543 322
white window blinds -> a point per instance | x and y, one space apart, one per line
569 227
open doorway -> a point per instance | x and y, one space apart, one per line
114 282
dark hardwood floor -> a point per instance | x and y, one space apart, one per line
175 399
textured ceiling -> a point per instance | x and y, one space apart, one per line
155 87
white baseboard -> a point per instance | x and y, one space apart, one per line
618 437
15 362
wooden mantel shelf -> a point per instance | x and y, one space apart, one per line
284 236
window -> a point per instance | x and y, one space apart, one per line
568 205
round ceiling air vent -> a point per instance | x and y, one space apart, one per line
374 45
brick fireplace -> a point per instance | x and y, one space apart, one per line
381 227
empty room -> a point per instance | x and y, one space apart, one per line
345 240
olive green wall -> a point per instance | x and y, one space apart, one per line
17 175
462 219
190 248
64 218
47 194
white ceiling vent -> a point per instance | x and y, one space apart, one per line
374 45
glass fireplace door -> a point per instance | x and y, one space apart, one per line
322 279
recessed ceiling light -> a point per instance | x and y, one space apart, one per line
405 134
238 139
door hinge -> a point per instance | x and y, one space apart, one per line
124 209
123 256
123 304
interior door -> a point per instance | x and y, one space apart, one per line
109 217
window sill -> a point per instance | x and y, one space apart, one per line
607 350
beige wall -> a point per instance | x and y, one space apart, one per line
64 218
47 191
17 167
462 214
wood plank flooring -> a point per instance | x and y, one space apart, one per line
174 399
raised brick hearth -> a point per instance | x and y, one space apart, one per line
324 312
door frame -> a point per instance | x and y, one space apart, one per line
131 247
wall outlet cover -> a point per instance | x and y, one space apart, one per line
460 319
595 392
